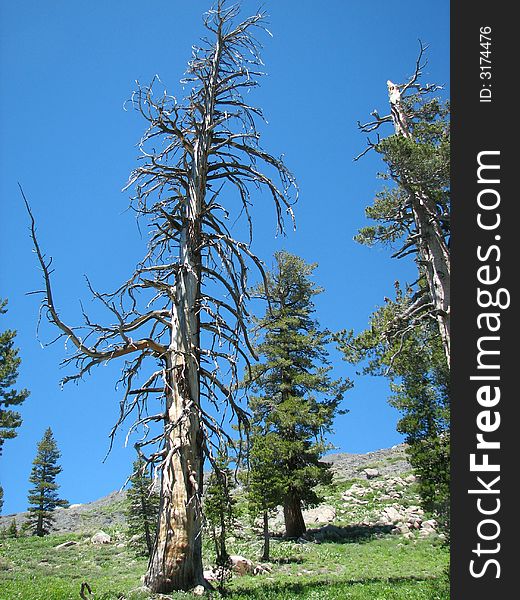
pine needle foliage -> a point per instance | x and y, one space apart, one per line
43 496
10 420
220 504
292 395
143 507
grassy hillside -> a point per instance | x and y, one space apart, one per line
352 549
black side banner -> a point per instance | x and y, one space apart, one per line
485 419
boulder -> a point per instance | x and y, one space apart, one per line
371 473
431 524
391 515
198 590
241 565
101 538
260 569
401 529
423 533
321 514
210 575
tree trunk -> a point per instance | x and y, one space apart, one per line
265 553
39 523
292 512
434 254
223 553
176 562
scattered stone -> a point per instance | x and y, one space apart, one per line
322 514
391 515
410 478
371 473
101 538
66 544
431 524
260 569
210 575
198 590
423 533
401 529
241 565
266 567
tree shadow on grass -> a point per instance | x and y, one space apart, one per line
287 560
348 534
275 590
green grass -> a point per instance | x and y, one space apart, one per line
366 566
38 571
376 569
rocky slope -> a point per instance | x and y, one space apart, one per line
373 492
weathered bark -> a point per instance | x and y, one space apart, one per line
176 562
292 512
433 250
266 549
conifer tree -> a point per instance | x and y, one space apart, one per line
293 396
10 420
265 481
12 530
143 506
43 497
220 505
412 214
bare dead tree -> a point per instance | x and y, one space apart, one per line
180 321
420 215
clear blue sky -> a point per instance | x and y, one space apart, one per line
66 68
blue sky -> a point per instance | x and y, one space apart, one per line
66 69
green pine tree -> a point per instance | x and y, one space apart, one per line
12 530
43 497
265 484
220 505
292 394
143 507
10 420
411 215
